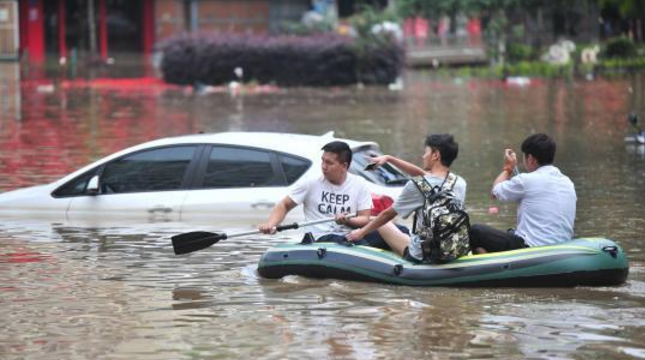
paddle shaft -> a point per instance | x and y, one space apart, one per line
287 227
198 240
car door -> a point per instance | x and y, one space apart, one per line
148 184
241 183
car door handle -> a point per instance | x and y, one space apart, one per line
160 209
263 204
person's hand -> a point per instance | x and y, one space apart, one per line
267 229
355 235
341 219
376 161
510 161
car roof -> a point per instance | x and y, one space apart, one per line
283 142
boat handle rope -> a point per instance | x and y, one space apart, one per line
612 250
398 269
321 252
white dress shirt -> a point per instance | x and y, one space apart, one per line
546 205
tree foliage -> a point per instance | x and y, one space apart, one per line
627 8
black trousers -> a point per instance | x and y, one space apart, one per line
493 240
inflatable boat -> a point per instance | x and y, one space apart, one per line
579 262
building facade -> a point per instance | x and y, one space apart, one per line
44 29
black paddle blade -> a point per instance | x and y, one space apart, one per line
633 119
194 241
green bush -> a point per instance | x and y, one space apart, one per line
622 64
520 52
300 29
620 47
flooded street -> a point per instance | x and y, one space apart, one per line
98 289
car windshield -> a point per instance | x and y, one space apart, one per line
383 175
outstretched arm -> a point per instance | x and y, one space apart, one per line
382 219
277 215
407 167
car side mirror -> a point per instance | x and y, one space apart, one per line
93 186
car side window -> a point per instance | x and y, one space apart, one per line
230 167
152 170
293 167
76 187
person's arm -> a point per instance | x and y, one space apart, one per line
361 219
510 162
382 219
407 167
363 204
278 214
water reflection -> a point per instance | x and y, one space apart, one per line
11 101
638 150
115 288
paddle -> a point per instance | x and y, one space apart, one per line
197 240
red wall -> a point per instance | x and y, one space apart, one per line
32 31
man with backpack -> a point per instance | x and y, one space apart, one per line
546 200
437 196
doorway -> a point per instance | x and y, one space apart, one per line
123 20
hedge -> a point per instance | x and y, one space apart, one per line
319 60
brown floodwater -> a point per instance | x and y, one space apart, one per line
115 290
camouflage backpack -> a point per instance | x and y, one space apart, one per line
444 226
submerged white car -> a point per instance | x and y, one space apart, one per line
234 175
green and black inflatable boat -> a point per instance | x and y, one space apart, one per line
585 262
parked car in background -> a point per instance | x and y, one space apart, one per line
233 175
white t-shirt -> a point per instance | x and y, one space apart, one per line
322 200
546 209
412 199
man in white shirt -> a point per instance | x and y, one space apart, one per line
546 201
335 194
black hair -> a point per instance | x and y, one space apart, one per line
446 145
341 149
541 146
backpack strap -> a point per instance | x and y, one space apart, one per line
426 190
423 185
450 181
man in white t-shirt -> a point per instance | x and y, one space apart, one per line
440 151
546 200
335 194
